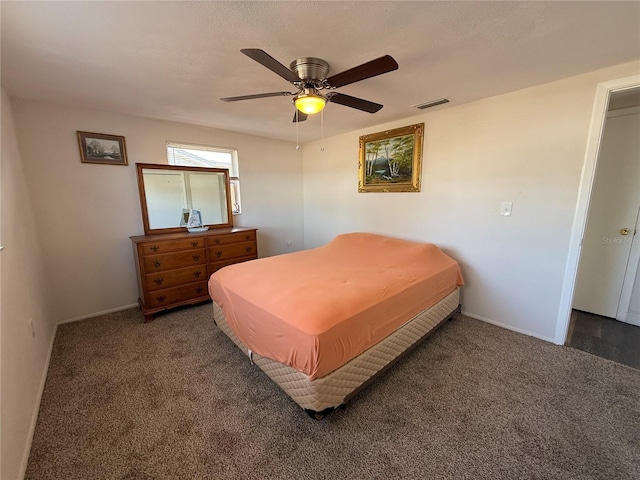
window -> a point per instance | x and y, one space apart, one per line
212 157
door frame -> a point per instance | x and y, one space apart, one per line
594 139
633 263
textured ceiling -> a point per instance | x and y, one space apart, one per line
174 60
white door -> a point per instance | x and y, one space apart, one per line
165 194
205 192
613 211
629 307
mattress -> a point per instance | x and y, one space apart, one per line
318 309
321 395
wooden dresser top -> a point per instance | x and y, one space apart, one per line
185 234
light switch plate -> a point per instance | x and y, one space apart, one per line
505 209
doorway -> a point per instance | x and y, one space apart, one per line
607 285
608 262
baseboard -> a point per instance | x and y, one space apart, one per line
36 411
633 318
97 314
508 327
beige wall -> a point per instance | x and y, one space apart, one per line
23 296
86 212
525 147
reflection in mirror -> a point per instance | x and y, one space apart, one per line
168 193
166 190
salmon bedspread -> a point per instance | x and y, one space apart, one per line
317 309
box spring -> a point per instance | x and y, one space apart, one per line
333 390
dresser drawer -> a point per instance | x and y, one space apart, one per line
169 261
171 246
171 278
215 266
169 296
174 268
231 238
225 252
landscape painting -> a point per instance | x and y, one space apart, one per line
102 148
391 161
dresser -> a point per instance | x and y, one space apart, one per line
173 269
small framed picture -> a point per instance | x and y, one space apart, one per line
101 148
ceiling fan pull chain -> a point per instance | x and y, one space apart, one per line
321 130
297 126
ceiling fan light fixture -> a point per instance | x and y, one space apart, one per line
310 103
309 76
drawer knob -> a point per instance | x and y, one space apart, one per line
196 258
217 241
218 253
247 237
157 263
158 281
194 244
249 248
154 248
161 298
197 274
199 289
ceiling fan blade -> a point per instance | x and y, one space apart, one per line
264 59
256 95
354 102
361 72
299 116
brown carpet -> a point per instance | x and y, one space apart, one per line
175 399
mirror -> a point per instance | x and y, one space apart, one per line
166 190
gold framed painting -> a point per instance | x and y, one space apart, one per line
391 161
102 148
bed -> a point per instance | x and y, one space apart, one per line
323 322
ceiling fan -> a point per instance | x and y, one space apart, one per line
309 76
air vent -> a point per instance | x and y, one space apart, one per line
433 103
